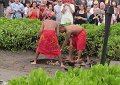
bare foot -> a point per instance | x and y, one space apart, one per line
63 66
57 63
33 63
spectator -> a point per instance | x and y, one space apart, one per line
67 12
83 2
115 12
118 13
88 13
17 9
34 12
90 2
10 2
102 12
57 10
115 7
77 2
42 8
81 16
7 12
95 6
1 8
27 4
70 1
49 12
94 18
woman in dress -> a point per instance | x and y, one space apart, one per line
34 12
81 16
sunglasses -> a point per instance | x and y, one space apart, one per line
59 1
67 1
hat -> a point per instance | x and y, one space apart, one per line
95 2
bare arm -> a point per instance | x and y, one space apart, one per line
83 18
41 28
38 13
57 30
66 40
63 10
30 12
72 11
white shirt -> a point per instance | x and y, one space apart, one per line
26 10
67 17
16 7
58 14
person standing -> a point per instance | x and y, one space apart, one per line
95 18
48 12
48 42
57 10
67 10
118 13
1 8
81 16
34 12
17 9
27 6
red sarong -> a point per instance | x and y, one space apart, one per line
48 44
79 41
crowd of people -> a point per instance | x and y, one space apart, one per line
65 11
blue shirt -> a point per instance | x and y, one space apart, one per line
15 7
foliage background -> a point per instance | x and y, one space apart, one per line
19 34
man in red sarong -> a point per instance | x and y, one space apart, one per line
48 42
77 36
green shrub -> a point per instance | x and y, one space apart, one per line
19 33
24 34
97 75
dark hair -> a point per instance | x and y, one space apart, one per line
83 6
52 6
61 26
34 2
51 18
28 2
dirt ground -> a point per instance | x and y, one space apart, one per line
14 64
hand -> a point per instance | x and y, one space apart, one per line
79 17
66 4
61 50
95 17
19 10
31 9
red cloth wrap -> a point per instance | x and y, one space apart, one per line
48 44
79 41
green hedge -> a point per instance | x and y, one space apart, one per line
19 34
97 75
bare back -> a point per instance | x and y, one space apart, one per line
74 29
50 25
